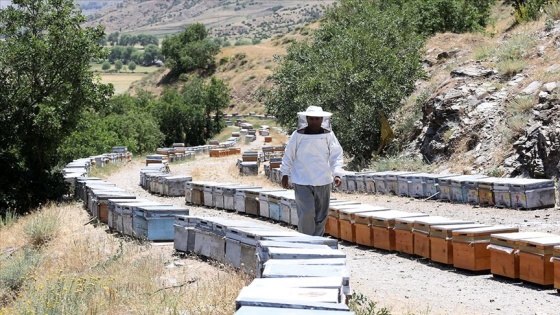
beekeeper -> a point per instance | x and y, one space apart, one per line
312 160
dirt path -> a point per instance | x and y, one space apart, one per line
404 284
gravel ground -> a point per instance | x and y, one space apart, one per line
401 283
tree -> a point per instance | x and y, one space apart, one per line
362 61
194 114
115 53
106 65
45 86
131 66
118 65
113 38
151 54
189 50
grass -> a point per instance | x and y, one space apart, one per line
85 270
400 163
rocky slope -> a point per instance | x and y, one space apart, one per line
497 113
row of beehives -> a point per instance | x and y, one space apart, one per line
175 154
274 203
124 213
155 180
503 250
282 262
514 193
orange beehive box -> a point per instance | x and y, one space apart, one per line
233 151
470 250
556 260
346 219
404 239
504 247
441 247
382 227
332 227
267 139
534 259
421 232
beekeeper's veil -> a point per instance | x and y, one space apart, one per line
314 111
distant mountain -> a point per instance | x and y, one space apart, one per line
231 19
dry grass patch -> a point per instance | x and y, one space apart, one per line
85 270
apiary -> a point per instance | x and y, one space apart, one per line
113 205
305 239
421 230
293 299
486 190
392 181
155 223
251 200
257 310
535 263
275 205
404 182
532 193
404 238
471 193
289 208
350 180
470 246
433 188
502 194
218 194
379 179
504 252
441 245
458 187
444 188
556 262
369 182
347 222
208 191
125 214
249 168
382 226
174 186
333 227
101 203
235 194
250 235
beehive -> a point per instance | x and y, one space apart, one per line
404 238
421 231
441 246
556 261
535 263
347 222
380 226
470 250
504 248
332 227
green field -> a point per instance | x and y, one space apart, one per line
123 79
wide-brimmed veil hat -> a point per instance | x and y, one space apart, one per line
314 111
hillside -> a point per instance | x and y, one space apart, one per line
487 105
232 20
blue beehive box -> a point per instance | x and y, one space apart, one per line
155 223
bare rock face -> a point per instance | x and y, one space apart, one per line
469 118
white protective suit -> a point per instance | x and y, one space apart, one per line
312 159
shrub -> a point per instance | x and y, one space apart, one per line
43 227
9 218
552 10
17 268
361 305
